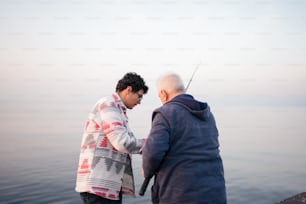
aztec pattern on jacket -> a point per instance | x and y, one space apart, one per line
105 164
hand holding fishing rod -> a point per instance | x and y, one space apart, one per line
146 182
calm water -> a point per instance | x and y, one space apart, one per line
262 148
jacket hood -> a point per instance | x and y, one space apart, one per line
197 108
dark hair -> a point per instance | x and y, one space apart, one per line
134 80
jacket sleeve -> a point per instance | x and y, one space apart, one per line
117 132
157 145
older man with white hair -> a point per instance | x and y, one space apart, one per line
182 149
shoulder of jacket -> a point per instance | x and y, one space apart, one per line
106 100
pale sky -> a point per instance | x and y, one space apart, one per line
251 52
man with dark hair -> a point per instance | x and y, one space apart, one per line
104 170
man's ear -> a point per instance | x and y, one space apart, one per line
129 89
164 94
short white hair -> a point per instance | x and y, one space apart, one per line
171 83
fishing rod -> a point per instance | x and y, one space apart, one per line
146 181
144 186
197 67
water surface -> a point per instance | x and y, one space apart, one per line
262 149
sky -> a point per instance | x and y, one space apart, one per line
74 51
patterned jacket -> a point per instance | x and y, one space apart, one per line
105 164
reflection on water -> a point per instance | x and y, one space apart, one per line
262 149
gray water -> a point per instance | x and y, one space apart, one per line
263 150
